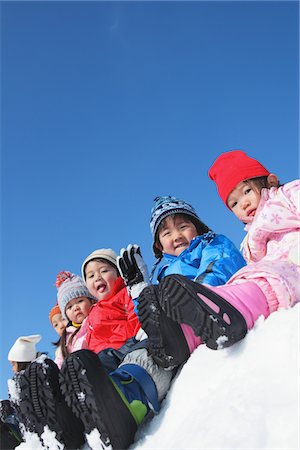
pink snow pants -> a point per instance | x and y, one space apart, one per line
246 297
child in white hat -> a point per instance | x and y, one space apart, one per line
23 352
112 320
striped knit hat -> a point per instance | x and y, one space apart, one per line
165 206
70 286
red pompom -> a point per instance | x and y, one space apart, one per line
61 277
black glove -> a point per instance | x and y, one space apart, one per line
133 269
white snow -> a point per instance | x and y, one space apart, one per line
94 441
14 390
81 396
243 397
50 441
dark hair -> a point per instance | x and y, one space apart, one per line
56 343
259 183
63 340
101 260
22 365
200 227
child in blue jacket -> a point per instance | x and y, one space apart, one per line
187 247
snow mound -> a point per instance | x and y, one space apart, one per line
243 397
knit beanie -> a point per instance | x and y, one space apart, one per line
104 253
70 286
55 310
24 349
230 168
165 206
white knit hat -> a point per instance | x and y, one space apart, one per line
104 253
24 349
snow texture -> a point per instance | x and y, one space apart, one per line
243 397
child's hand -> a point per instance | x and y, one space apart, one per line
133 269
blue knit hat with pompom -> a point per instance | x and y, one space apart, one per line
165 206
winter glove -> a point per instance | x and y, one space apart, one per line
133 270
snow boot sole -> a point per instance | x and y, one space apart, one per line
167 343
42 404
92 396
178 298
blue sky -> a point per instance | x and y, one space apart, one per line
105 105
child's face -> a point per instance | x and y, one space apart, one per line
14 366
58 323
78 309
243 202
176 235
100 278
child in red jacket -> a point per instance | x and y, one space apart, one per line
112 320
102 394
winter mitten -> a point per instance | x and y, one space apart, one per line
133 270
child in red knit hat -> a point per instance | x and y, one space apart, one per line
270 280
270 213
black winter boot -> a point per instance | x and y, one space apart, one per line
167 343
42 403
91 394
178 298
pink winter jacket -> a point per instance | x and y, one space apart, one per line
78 342
271 247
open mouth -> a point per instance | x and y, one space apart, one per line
101 288
182 245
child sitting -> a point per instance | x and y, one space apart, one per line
41 401
112 320
113 403
189 248
57 320
59 324
75 302
20 356
271 248
23 352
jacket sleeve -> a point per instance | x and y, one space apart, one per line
59 359
291 192
219 261
133 321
